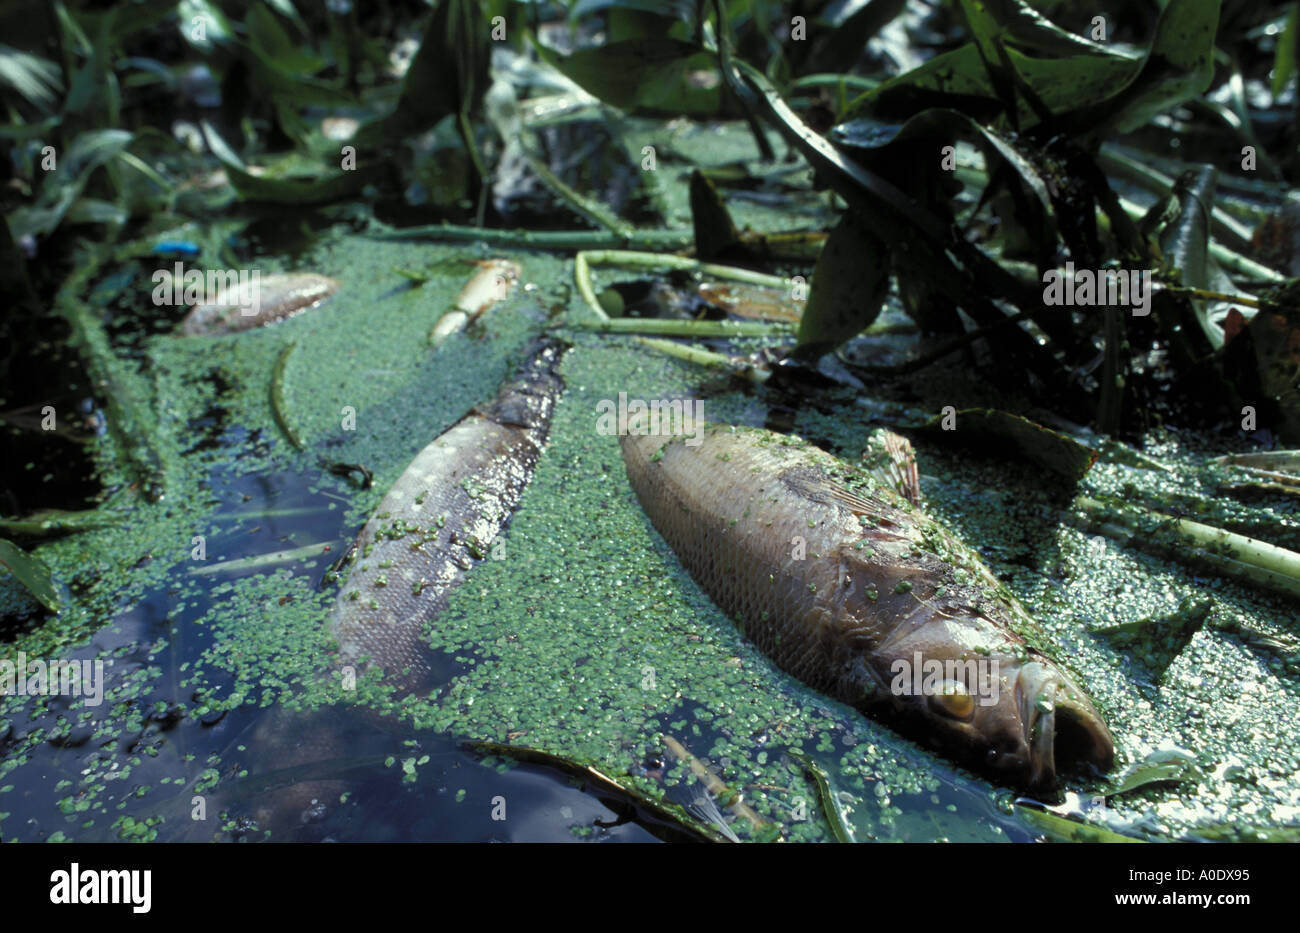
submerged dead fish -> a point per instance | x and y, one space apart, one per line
441 516
852 589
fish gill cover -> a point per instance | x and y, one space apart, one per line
1051 252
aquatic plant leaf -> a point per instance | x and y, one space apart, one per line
312 190
851 26
1182 225
449 74
203 24
643 75
1178 66
1164 766
959 79
1024 27
32 573
849 286
1108 92
35 79
88 152
715 233
1155 642
872 138
987 427
1067 830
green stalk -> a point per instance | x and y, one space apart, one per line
588 209
675 328
840 828
130 421
654 262
558 240
258 561
702 357
1233 555
57 522
1284 460
277 397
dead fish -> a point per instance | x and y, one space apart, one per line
849 587
758 302
489 286
439 518
256 303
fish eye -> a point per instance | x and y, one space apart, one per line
953 700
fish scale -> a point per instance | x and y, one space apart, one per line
877 582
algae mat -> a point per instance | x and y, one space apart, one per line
585 639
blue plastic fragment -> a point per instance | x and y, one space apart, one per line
175 247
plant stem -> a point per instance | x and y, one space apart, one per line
677 328
558 240
1231 554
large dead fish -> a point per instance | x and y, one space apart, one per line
854 590
440 517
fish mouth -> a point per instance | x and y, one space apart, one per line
1062 729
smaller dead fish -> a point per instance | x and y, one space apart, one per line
487 287
439 519
752 301
256 302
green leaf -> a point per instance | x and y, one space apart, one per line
654 74
1104 91
849 286
1178 67
31 573
449 74
1284 57
315 189
1164 766
36 80
1024 27
203 24
1059 827
959 79
1182 226
1011 434
849 26
63 188
715 233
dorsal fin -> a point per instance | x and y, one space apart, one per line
890 458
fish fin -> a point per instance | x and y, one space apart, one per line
815 485
857 504
891 459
